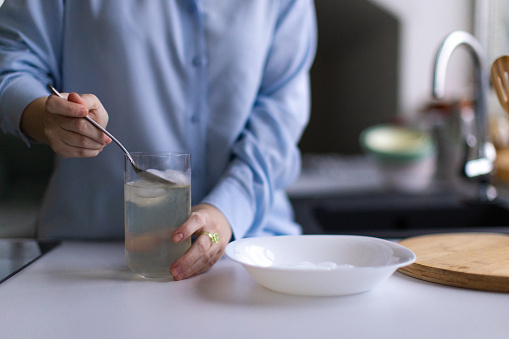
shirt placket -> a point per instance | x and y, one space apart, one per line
198 105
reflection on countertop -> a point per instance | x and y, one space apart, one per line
16 254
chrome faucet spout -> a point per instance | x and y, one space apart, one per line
449 45
482 145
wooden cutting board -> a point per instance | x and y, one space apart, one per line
470 260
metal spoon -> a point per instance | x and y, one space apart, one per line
143 174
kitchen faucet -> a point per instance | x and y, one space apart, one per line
481 167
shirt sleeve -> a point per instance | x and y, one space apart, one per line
30 45
265 158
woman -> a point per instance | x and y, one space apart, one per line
225 81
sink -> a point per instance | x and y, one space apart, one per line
399 215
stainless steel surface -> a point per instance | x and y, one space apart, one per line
150 176
481 166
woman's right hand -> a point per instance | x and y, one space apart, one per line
65 130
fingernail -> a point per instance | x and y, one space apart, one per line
83 112
177 237
175 271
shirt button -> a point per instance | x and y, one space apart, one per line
198 61
195 118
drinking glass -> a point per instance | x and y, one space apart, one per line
153 210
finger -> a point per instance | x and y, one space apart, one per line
66 151
199 258
194 224
76 132
203 264
96 111
70 109
57 105
93 105
68 143
79 140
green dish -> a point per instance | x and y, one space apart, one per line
396 143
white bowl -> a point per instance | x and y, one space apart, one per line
319 265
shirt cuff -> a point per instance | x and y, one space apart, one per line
234 202
20 92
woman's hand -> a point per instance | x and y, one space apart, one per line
204 253
59 123
68 134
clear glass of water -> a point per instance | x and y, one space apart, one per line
153 210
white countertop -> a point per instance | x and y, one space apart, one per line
85 290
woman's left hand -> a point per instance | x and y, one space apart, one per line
204 253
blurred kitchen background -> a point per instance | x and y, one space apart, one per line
374 65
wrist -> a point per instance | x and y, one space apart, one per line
32 123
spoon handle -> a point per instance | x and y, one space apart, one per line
54 91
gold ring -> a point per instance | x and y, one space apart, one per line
214 237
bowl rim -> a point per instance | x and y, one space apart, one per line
389 243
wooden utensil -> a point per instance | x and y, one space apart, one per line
470 260
500 80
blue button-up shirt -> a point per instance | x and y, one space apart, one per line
226 81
